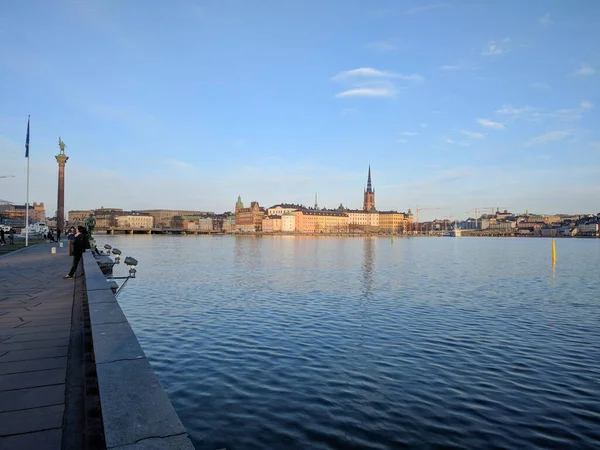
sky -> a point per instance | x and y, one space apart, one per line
455 105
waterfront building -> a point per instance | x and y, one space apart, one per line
229 223
271 224
321 221
78 216
16 213
288 222
248 219
394 221
107 217
282 208
135 221
170 218
361 220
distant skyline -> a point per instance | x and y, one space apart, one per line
188 104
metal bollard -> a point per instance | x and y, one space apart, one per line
60 244
53 250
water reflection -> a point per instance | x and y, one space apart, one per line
368 267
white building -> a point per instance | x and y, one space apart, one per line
280 210
363 219
135 221
288 222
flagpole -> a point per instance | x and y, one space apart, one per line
27 199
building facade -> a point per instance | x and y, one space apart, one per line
171 218
279 210
394 221
271 224
77 217
288 222
321 221
248 219
135 222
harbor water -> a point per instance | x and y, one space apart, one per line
371 343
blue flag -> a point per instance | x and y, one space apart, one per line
27 141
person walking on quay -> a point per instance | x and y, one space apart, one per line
11 236
58 235
78 247
2 241
70 239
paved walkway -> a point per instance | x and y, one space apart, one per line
35 328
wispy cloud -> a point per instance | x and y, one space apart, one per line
381 47
472 134
490 124
572 114
545 20
363 72
454 67
584 71
402 141
369 72
409 133
513 113
178 164
539 85
548 137
495 48
370 82
423 8
366 92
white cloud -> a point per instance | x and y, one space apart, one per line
381 46
539 85
454 67
472 134
366 92
423 8
549 137
585 104
490 124
402 141
409 133
363 72
369 82
494 48
178 164
584 71
546 19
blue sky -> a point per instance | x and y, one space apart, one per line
186 104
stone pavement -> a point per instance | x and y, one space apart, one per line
36 307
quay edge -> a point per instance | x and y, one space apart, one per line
136 411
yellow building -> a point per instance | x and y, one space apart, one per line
77 217
271 224
321 221
394 221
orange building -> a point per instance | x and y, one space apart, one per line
271 224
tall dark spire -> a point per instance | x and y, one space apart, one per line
369 187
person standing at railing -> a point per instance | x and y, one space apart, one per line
70 239
78 249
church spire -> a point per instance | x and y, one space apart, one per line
369 187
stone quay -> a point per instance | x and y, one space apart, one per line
72 373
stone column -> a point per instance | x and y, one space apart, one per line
60 214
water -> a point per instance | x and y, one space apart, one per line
351 343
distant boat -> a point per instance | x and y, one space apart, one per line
455 232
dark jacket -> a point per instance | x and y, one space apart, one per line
79 244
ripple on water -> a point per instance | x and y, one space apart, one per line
359 343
